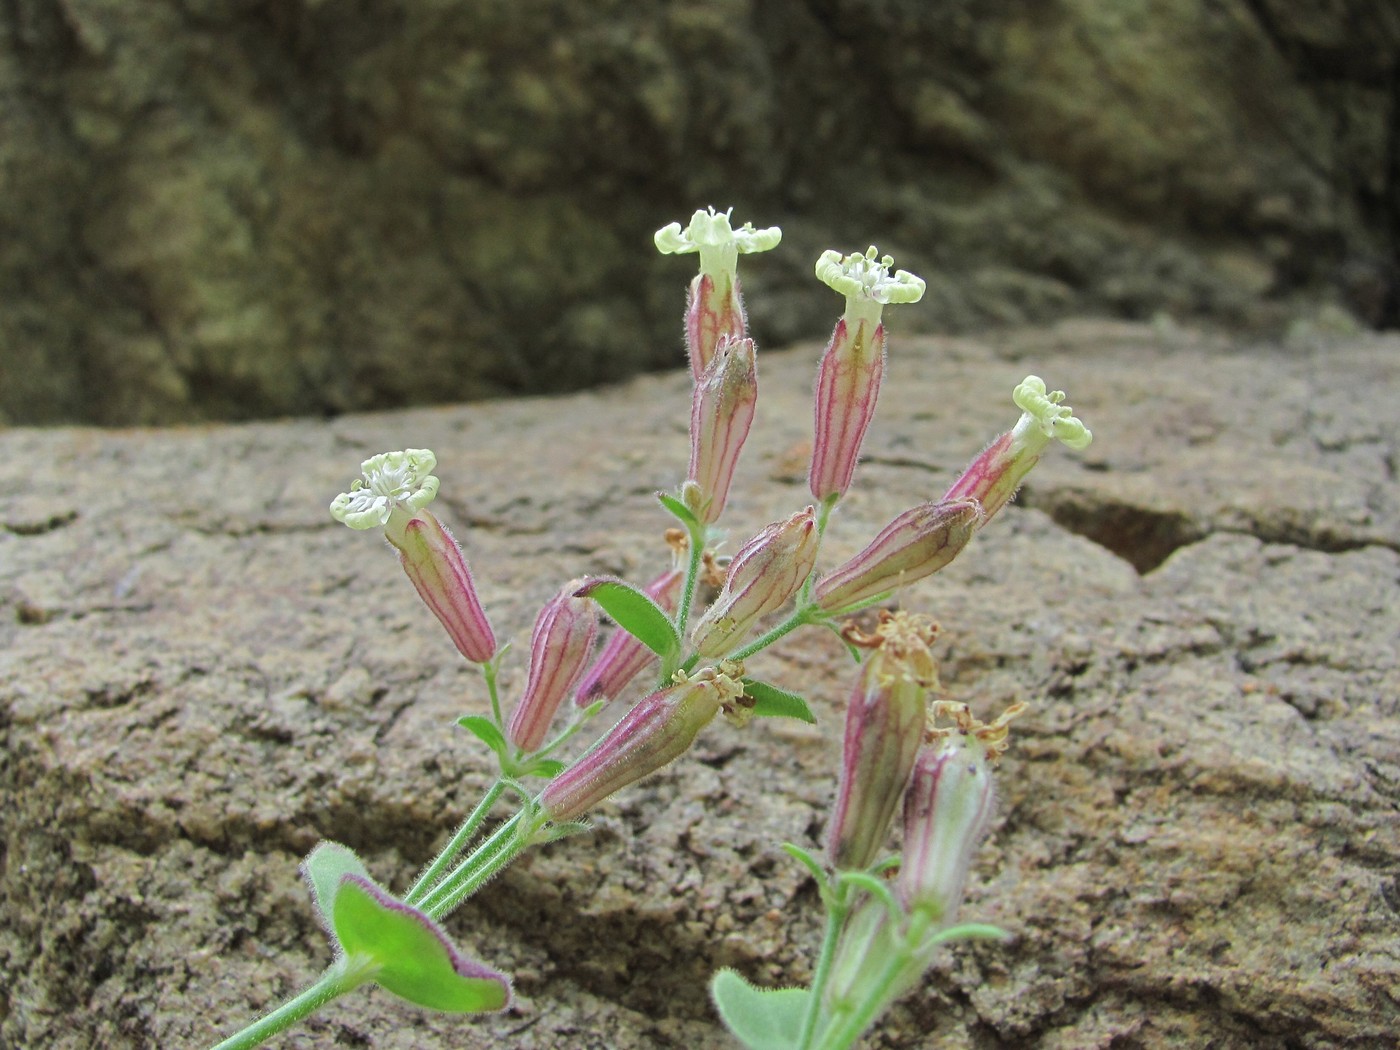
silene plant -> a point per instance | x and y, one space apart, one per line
905 752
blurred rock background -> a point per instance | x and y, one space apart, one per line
223 209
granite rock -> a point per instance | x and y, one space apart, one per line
1197 844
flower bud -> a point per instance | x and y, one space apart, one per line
997 473
721 412
714 307
884 728
624 657
432 560
916 544
659 729
848 378
947 810
766 572
559 648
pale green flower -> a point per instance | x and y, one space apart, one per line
718 243
867 283
392 481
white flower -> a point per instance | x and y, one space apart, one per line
718 243
392 481
867 283
1045 412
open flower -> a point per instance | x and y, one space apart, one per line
851 369
715 306
997 473
393 482
394 495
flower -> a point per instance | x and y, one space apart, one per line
851 369
719 244
997 473
393 481
714 305
394 494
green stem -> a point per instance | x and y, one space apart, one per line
824 510
503 846
799 618
334 982
458 843
855 1023
837 910
692 576
488 671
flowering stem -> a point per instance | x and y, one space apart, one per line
332 984
847 1030
837 910
488 671
696 554
459 841
505 844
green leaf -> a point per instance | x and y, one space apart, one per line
680 511
760 1018
409 954
772 702
549 768
486 731
323 869
807 860
635 613
969 931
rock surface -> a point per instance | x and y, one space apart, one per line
220 209
1198 844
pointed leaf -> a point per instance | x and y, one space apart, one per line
760 1018
549 768
772 702
680 511
412 956
484 730
323 869
807 860
635 613
969 931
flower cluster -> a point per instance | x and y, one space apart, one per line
687 634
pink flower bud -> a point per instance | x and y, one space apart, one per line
848 385
559 648
432 560
714 311
721 412
884 728
659 729
916 544
997 473
766 572
624 657
947 810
